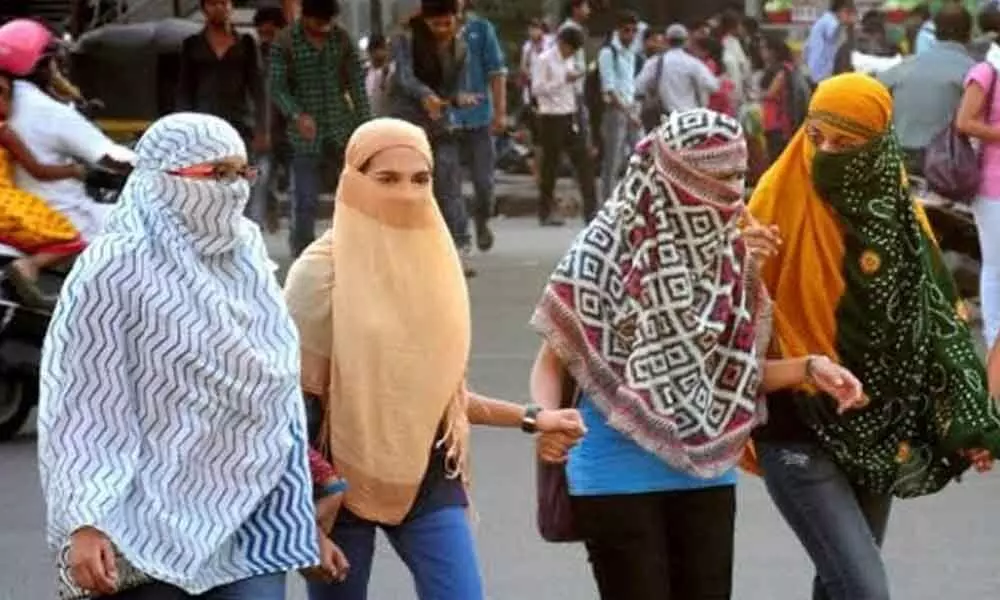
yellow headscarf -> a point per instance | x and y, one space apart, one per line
807 282
383 314
805 277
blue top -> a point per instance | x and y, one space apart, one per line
606 462
926 37
616 65
485 59
821 46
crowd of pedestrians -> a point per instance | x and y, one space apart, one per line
755 286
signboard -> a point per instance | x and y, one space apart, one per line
809 11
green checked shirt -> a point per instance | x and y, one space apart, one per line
325 83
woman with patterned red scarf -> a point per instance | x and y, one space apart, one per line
658 317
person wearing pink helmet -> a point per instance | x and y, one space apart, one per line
54 132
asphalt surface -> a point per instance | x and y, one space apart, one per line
941 547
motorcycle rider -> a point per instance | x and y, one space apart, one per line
54 132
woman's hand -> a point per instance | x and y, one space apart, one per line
836 381
763 241
553 448
566 421
333 565
91 561
982 460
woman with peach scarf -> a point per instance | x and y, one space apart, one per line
859 277
383 315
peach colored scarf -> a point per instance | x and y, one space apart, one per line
387 344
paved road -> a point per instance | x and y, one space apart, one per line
944 547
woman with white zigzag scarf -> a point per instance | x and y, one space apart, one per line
657 316
172 438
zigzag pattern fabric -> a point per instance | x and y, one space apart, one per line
170 414
655 309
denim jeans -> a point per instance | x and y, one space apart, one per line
262 587
436 546
477 150
840 526
660 545
306 184
261 193
618 136
448 188
987 214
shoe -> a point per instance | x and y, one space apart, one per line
552 222
467 269
484 237
28 291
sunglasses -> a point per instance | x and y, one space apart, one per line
219 172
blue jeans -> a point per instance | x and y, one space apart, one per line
436 546
840 526
262 587
306 184
477 149
618 136
260 195
448 188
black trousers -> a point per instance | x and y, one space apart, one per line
660 546
560 133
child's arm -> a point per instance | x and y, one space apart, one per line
23 156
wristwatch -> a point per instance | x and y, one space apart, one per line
529 424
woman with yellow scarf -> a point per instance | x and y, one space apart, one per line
860 278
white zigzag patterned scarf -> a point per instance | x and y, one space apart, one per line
171 417
654 311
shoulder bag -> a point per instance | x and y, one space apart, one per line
556 522
952 162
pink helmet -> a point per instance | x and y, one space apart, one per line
23 44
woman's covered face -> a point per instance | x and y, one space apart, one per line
401 168
832 140
735 180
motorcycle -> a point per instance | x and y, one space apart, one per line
22 329
954 228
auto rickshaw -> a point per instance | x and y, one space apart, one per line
133 70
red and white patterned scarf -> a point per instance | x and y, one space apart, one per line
656 311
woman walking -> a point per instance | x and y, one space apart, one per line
172 440
657 314
383 314
859 278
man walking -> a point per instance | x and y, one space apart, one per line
430 57
268 21
485 78
682 81
553 83
318 85
825 38
220 74
616 63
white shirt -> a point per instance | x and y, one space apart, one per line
58 135
685 82
530 52
580 58
555 95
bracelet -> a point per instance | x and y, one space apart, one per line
332 489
